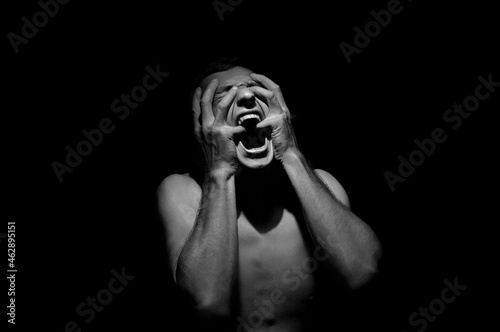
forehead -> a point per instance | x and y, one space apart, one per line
232 76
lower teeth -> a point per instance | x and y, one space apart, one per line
255 149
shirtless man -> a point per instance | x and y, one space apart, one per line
245 244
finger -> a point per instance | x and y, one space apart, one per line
270 85
267 124
207 115
238 130
270 97
196 110
224 105
265 129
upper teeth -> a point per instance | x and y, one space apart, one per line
246 117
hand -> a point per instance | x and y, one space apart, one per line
278 121
214 134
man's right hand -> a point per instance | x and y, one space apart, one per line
214 134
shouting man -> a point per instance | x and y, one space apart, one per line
247 243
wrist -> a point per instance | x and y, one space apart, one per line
295 165
220 174
291 157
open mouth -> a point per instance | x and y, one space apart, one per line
254 140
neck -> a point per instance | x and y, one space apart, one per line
260 195
261 186
258 178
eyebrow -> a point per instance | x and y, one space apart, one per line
221 88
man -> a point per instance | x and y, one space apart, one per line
247 243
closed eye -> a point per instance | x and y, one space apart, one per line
218 97
221 92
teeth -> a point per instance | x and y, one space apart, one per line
256 150
248 116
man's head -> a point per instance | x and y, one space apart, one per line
253 148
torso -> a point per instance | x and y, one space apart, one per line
274 289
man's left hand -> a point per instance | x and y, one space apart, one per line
278 121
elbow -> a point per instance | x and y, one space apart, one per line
207 300
214 314
364 270
208 304
361 277
210 308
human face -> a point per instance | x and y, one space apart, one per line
254 149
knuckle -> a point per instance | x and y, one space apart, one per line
220 107
204 103
206 129
217 130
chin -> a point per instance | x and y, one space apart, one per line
255 158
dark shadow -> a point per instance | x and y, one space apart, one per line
263 194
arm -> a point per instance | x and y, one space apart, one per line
205 265
351 244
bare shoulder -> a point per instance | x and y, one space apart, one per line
179 188
177 182
334 186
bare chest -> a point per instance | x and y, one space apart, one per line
276 269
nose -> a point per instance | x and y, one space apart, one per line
245 98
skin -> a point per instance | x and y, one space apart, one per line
242 237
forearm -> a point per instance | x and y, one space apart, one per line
351 244
207 264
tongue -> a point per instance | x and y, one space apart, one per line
253 140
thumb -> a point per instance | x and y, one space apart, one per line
266 123
238 130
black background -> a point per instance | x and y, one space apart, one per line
353 120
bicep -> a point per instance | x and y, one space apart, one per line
177 215
334 186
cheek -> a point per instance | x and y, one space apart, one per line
230 112
214 107
215 103
263 106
